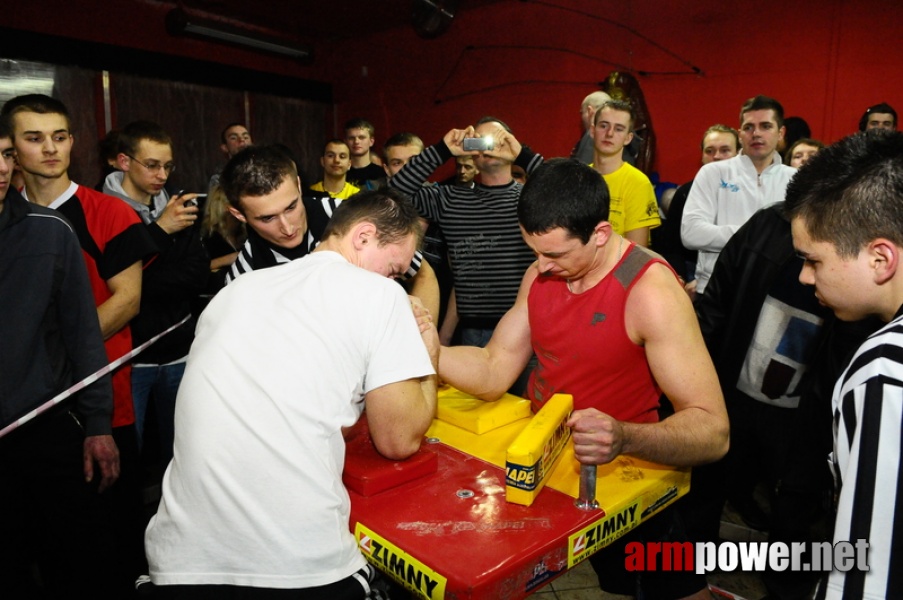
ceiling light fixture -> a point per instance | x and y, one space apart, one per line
179 22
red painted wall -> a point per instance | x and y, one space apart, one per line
824 60
531 63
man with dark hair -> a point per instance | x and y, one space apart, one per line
726 193
633 210
335 162
846 211
264 192
235 138
283 361
769 340
170 283
113 243
466 171
485 249
53 466
880 116
363 174
611 325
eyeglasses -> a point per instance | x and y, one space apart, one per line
153 165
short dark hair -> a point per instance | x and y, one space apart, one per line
491 119
130 136
5 130
388 209
36 103
333 142
108 146
287 151
359 123
851 192
719 128
883 108
563 192
619 105
796 128
763 103
222 134
405 138
788 156
256 171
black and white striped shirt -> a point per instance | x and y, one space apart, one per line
257 253
488 256
868 421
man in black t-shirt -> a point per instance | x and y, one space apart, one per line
364 173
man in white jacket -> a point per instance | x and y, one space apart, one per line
726 193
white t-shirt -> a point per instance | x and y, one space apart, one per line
281 361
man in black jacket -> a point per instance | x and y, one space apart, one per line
777 352
53 464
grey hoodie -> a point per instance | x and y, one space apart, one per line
113 186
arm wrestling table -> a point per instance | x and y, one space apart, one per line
439 525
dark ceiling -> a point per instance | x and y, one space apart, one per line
330 20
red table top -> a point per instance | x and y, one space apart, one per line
449 533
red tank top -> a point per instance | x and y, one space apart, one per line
582 345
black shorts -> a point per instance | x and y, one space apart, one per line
366 584
614 577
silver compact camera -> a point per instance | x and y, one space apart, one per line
479 144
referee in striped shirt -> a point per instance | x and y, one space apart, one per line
846 209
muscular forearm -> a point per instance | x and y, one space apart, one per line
687 438
469 369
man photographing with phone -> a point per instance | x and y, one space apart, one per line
170 282
488 256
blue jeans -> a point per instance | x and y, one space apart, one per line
474 336
161 383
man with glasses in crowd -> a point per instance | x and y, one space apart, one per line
171 282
